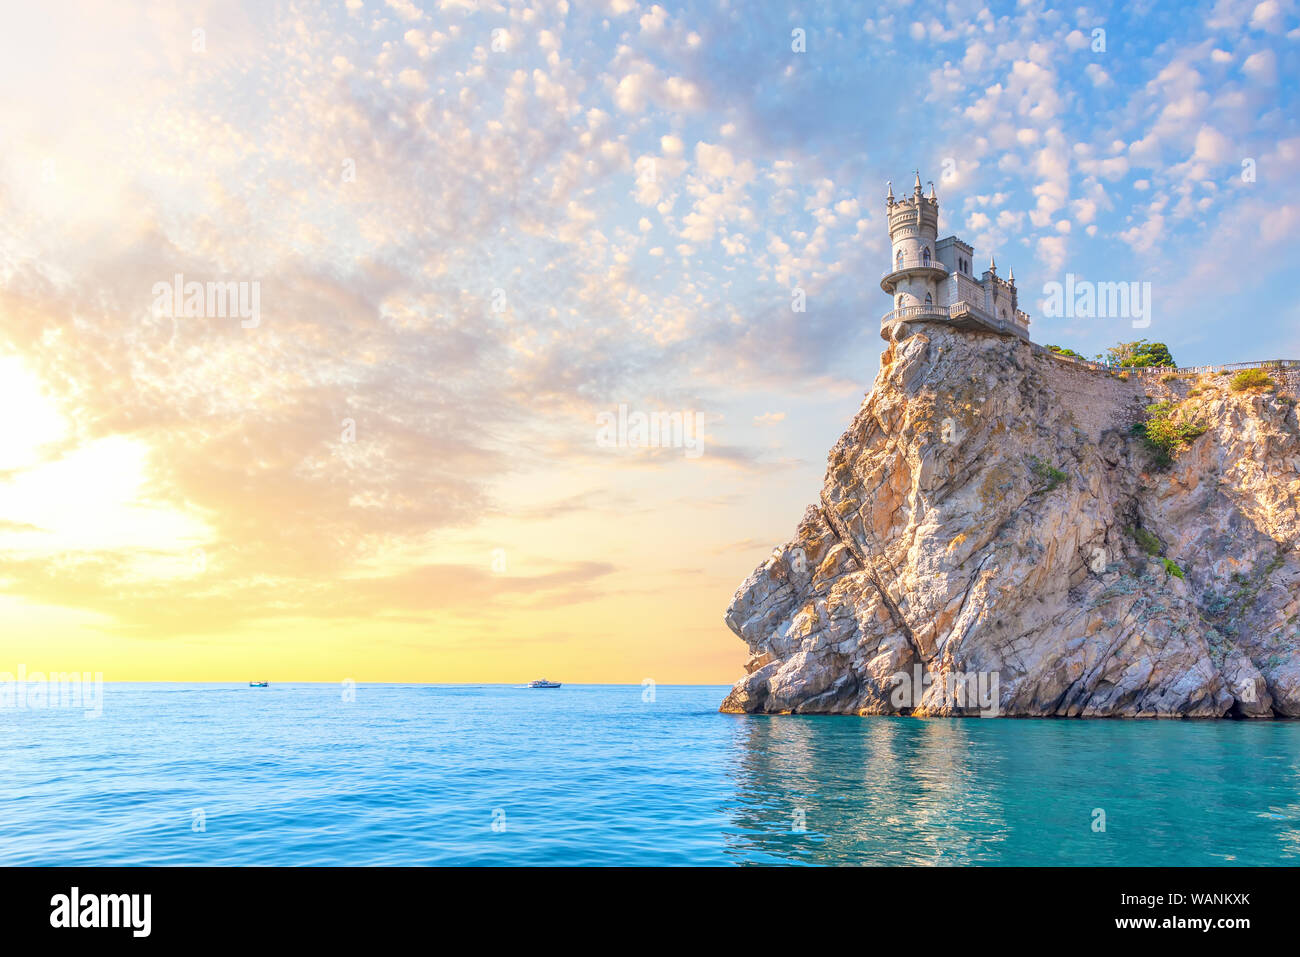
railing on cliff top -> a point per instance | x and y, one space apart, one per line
1220 368
1225 366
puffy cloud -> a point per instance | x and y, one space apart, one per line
1267 16
633 92
714 161
653 21
644 85
1098 76
405 9
1261 67
413 79
1075 40
1212 146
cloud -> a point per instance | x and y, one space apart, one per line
1261 67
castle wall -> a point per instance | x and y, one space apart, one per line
960 287
999 300
914 289
1097 400
951 252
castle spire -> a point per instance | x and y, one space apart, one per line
918 182
933 198
993 266
889 200
1011 275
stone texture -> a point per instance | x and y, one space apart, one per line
946 538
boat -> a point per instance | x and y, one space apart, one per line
543 683
259 684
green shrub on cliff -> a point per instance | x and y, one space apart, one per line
1062 351
1146 541
1250 380
1171 568
1052 476
1167 430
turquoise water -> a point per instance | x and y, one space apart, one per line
293 774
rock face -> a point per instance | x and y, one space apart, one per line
992 538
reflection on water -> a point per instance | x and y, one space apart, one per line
833 790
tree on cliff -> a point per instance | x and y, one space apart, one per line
1140 354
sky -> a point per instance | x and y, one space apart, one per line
471 235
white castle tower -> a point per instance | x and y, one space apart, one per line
932 279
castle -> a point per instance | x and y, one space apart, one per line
932 280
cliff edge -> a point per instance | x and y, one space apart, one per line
993 538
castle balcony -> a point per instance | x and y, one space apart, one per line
963 315
915 314
910 266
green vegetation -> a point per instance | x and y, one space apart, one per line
1052 476
1251 380
1061 351
1167 430
1168 377
1138 355
1171 568
1146 541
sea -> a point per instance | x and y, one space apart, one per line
385 774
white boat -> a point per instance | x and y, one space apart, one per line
543 683
259 684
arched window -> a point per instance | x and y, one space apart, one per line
1004 313
925 255
900 300
899 259
928 300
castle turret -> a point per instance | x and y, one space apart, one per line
915 270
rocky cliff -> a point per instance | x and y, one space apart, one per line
992 537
